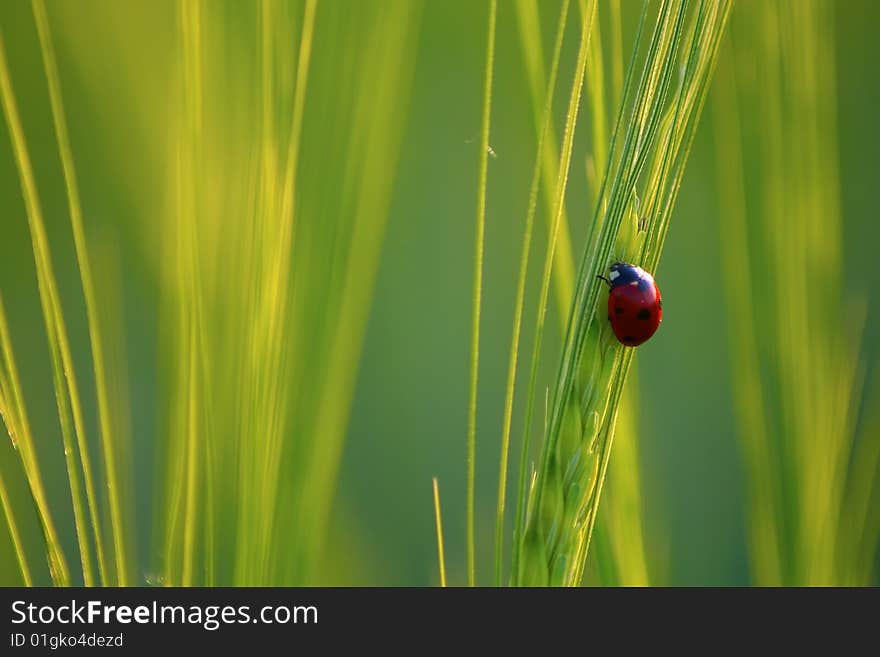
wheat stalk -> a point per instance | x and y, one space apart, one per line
656 135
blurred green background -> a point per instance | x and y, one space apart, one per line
408 413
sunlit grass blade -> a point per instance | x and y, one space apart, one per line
478 292
382 88
11 524
622 509
529 32
764 496
287 204
14 415
595 86
441 556
616 54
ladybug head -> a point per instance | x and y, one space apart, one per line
623 273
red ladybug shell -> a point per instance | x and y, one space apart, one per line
635 308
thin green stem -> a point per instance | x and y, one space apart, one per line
478 291
14 415
441 558
529 24
20 554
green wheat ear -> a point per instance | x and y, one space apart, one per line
655 126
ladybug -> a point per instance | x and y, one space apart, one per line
634 305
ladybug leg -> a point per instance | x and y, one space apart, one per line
604 279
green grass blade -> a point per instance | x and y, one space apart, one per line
441 558
616 55
14 414
595 91
478 291
763 499
622 511
529 32
8 514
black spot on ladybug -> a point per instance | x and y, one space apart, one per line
628 338
618 310
644 313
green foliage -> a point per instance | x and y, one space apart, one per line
795 339
198 292
265 268
269 311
